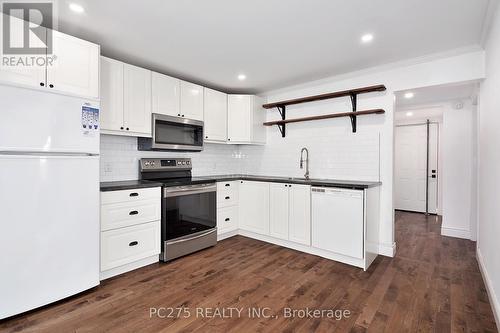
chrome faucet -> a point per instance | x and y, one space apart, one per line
302 160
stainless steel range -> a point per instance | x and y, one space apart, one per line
189 211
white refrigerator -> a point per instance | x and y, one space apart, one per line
49 198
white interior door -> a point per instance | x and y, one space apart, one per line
411 167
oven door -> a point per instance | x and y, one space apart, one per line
174 133
188 210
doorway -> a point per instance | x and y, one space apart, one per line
417 167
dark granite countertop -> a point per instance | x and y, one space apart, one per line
351 184
348 184
127 185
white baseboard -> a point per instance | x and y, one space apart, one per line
454 232
494 301
306 249
228 234
388 250
129 267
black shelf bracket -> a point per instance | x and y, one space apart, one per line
282 111
354 102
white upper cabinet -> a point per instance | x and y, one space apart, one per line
76 67
215 115
278 212
125 99
245 118
254 206
72 68
299 224
191 101
166 95
137 102
111 116
33 76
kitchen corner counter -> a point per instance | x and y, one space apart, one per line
348 184
127 185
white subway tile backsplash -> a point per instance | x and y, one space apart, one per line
335 153
120 158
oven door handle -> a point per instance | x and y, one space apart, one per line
192 238
168 193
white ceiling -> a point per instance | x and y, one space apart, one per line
276 43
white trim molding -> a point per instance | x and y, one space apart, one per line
388 250
454 232
495 306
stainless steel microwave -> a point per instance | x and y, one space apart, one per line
173 133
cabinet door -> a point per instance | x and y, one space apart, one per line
76 67
33 76
278 210
227 219
300 214
254 207
191 101
239 118
166 94
137 102
215 115
111 95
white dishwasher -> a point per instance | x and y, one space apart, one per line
337 220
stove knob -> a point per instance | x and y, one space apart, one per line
183 162
178 162
188 162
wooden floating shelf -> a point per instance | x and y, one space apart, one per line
321 97
326 116
352 93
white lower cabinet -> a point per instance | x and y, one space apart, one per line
290 212
130 230
227 219
299 220
278 210
125 245
254 206
227 207
334 223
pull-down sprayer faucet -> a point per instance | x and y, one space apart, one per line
302 160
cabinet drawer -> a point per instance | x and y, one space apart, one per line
126 245
227 194
227 219
133 195
227 186
125 214
226 199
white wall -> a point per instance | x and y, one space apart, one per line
458 156
489 169
285 153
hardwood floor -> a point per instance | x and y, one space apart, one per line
432 285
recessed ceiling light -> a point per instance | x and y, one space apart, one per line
409 95
409 114
76 8
242 77
367 38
